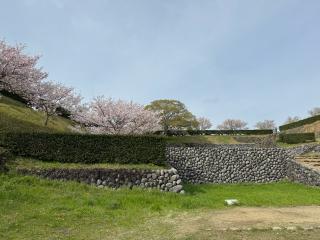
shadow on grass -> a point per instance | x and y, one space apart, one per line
192 189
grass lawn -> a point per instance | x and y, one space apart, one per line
213 139
29 163
33 208
287 145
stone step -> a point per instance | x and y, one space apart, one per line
310 161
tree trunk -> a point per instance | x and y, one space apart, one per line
165 130
47 119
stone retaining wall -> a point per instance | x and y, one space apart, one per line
302 174
295 151
200 164
228 164
164 180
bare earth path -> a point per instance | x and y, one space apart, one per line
245 218
235 223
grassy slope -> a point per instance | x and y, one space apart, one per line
32 208
17 117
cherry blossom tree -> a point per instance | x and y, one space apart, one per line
292 119
266 124
107 116
48 96
233 124
314 112
20 75
204 123
18 71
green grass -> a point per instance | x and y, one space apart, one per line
33 208
287 145
17 117
214 139
29 163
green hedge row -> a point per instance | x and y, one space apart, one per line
297 137
300 123
88 148
216 132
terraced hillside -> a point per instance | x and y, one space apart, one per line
313 127
310 124
311 160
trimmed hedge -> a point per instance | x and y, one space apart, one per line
216 132
88 148
300 123
297 137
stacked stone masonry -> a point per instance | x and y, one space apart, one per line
164 179
302 174
225 164
295 151
200 164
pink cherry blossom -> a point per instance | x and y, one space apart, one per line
108 116
48 96
18 71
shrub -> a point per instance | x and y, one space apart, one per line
300 123
4 157
14 96
3 167
88 148
63 112
297 137
216 132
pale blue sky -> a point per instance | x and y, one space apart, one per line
245 59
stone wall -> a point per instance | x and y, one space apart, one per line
302 174
164 179
227 163
295 151
200 164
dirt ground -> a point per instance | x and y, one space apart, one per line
235 223
242 218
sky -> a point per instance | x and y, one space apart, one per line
243 59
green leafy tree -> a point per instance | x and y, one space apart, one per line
173 114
